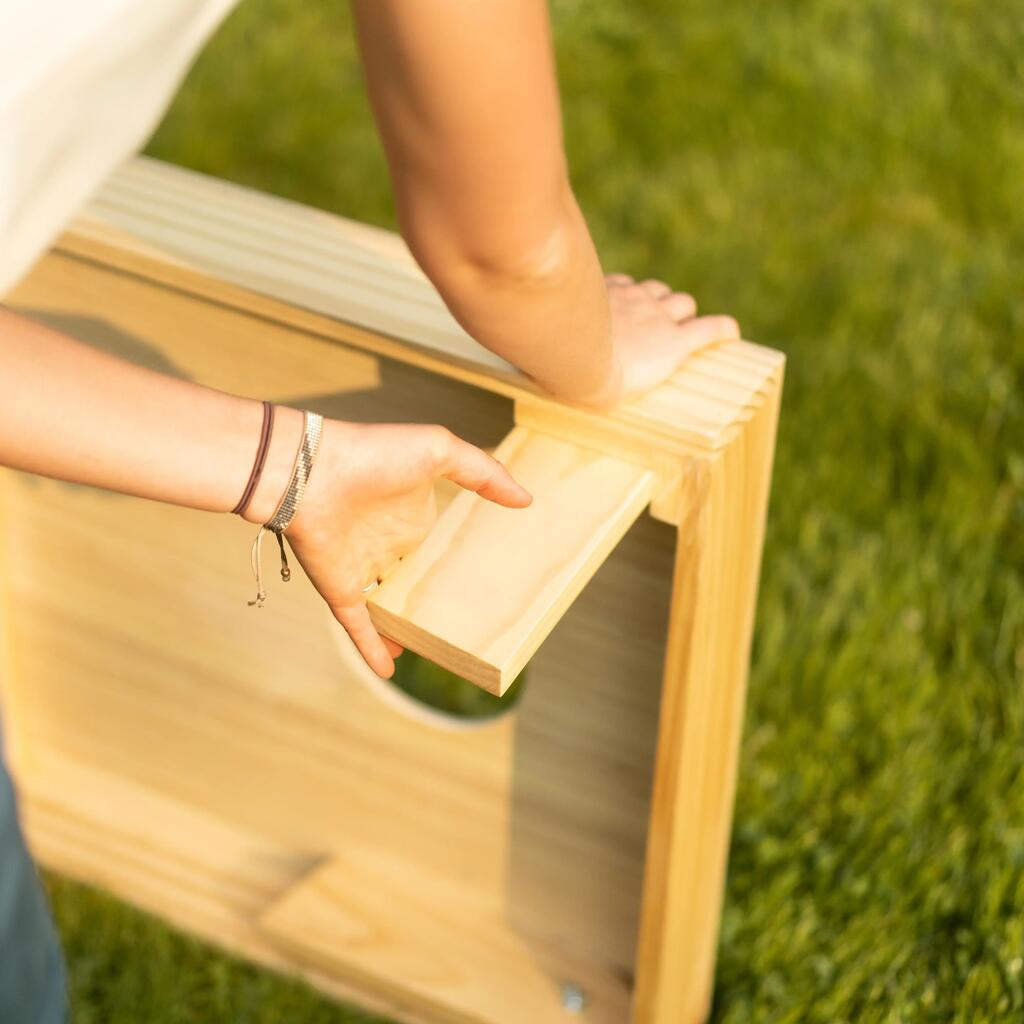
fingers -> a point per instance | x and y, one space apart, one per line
396 650
371 645
703 331
655 289
680 306
469 467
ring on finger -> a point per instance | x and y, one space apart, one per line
381 576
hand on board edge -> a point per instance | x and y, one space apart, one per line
370 501
654 329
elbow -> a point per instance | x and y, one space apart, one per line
509 251
458 264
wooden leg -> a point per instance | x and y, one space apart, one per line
718 558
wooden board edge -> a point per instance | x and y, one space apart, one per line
462 663
96 236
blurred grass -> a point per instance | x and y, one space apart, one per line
845 179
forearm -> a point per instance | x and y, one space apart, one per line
76 413
548 317
467 103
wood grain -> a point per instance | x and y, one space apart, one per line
449 953
357 284
200 757
489 583
198 760
717 565
239 772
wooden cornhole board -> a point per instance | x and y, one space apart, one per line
239 772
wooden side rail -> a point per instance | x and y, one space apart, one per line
246 776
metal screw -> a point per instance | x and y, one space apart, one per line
574 999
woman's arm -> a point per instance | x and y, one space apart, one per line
468 110
76 413
466 100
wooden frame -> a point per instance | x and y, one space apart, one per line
241 773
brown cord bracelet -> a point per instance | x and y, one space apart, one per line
261 458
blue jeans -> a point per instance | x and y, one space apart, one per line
32 983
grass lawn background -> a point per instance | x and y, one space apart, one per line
848 180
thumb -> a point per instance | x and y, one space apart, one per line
469 467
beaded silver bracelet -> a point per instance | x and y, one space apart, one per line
309 446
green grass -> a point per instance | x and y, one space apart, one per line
129 968
847 180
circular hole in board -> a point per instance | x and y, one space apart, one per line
430 686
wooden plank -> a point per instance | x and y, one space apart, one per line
176 860
199 757
269 739
352 283
717 566
195 758
489 583
450 955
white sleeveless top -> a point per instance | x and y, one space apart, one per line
83 83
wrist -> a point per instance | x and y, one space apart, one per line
277 470
610 393
323 496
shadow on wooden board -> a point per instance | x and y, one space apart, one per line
241 772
